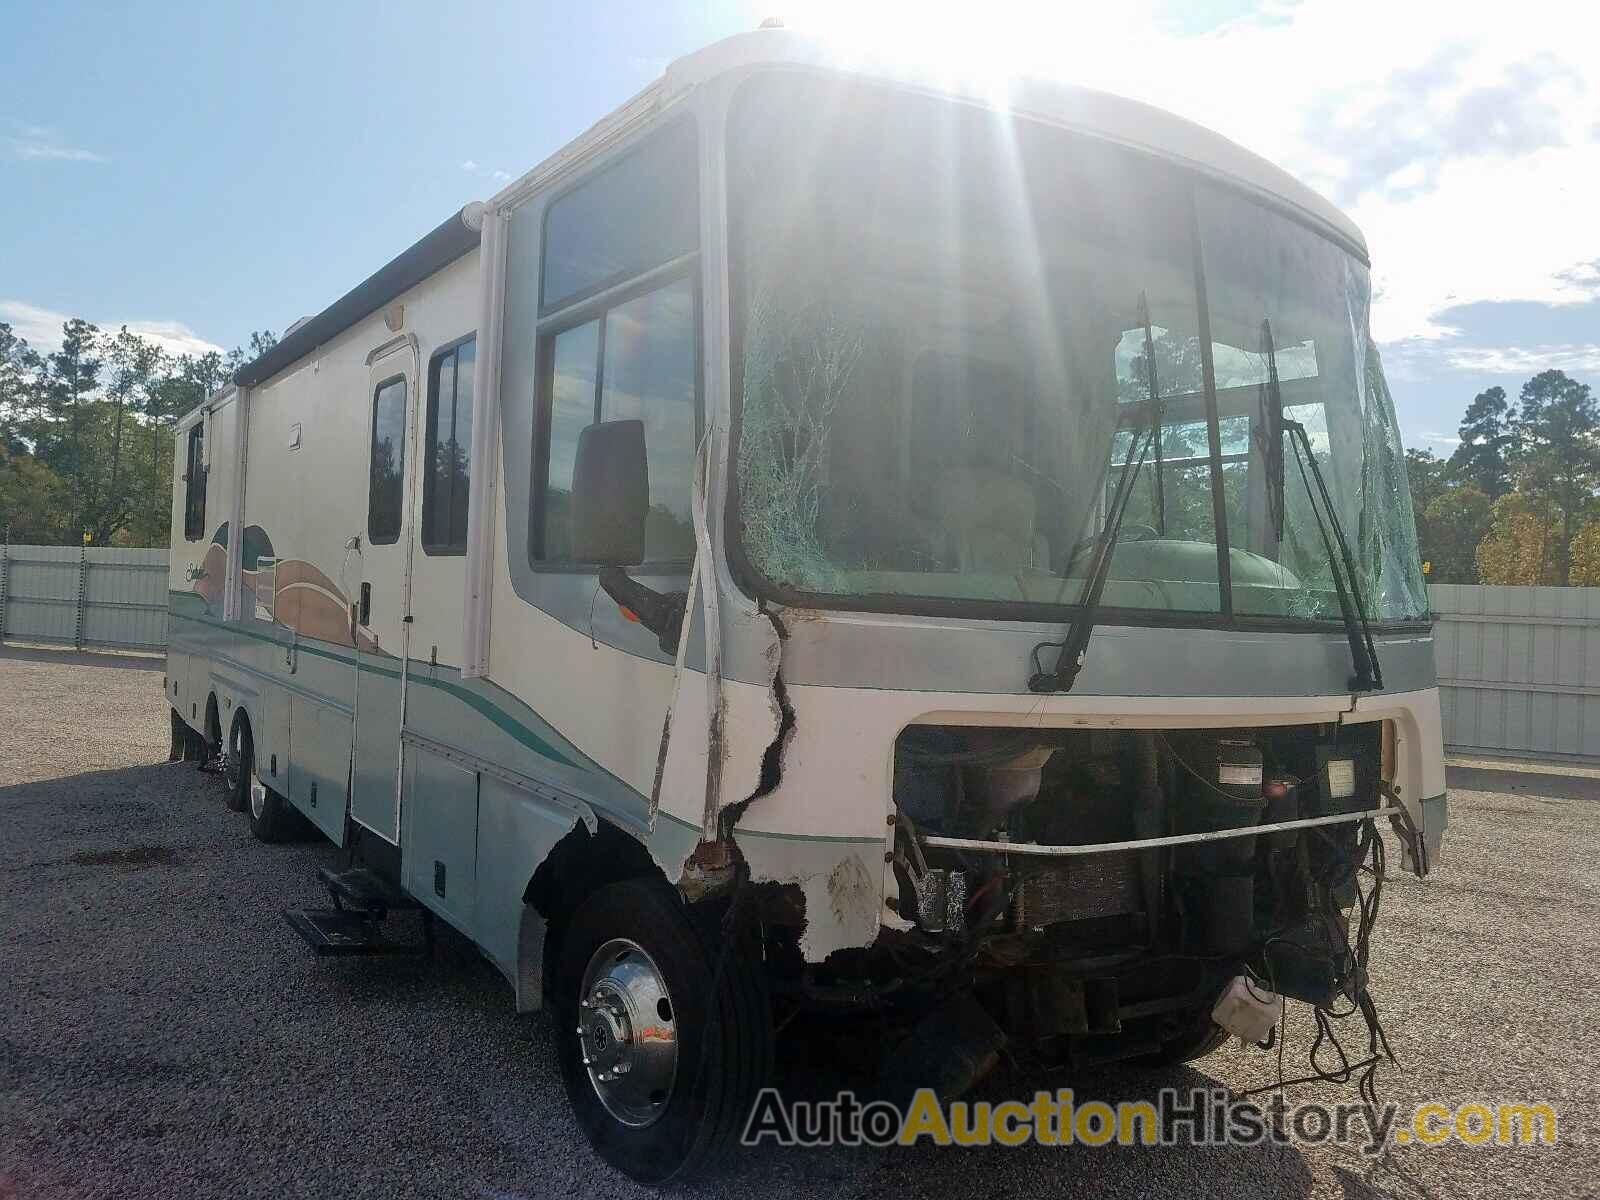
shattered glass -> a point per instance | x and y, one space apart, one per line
939 319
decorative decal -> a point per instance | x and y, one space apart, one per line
307 601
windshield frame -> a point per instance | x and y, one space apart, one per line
757 584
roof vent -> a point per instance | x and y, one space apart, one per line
772 23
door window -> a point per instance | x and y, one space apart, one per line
194 488
386 474
448 446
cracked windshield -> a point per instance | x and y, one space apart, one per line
949 328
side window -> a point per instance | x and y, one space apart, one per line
648 373
386 475
634 362
573 394
636 214
448 446
194 491
629 358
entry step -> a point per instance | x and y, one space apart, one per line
334 932
365 891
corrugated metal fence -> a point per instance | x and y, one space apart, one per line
1519 669
90 596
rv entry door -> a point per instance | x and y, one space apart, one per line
383 600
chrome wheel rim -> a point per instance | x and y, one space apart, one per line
258 796
628 1033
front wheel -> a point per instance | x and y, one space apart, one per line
664 1031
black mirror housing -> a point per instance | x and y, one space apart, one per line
610 494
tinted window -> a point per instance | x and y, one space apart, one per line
635 362
449 446
630 217
572 390
194 491
386 478
648 375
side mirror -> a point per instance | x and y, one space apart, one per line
610 494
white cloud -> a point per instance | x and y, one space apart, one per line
172 336
42 328
1524 360
37 143
471 167
1463 138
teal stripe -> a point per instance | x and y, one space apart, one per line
482 704
496 715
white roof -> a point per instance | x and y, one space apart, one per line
1128 122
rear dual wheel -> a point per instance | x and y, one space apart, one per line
664 1031
270 817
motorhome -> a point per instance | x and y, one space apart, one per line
833 536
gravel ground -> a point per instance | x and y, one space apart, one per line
164 1033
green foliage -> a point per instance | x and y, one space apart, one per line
33 499
1452 526
1557 456
1516 503
1487 438
86 433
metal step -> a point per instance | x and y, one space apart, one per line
333 932
365 891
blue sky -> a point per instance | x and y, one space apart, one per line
198 170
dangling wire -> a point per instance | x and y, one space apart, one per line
1369 859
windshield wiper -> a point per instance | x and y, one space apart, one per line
1357 629
1368 675
1270 437
1077 639
1155 414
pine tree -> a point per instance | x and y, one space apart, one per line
1557 459
1487 443
74 372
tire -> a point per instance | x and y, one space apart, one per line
238 765
180 747
626 944
211 743
271 818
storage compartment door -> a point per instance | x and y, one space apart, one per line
440 844
271 735
318 784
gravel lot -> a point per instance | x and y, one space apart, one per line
164 1033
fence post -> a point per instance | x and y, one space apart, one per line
5 571
83 595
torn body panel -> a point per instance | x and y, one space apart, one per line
822 817
838 879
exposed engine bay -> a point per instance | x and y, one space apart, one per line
1114 952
